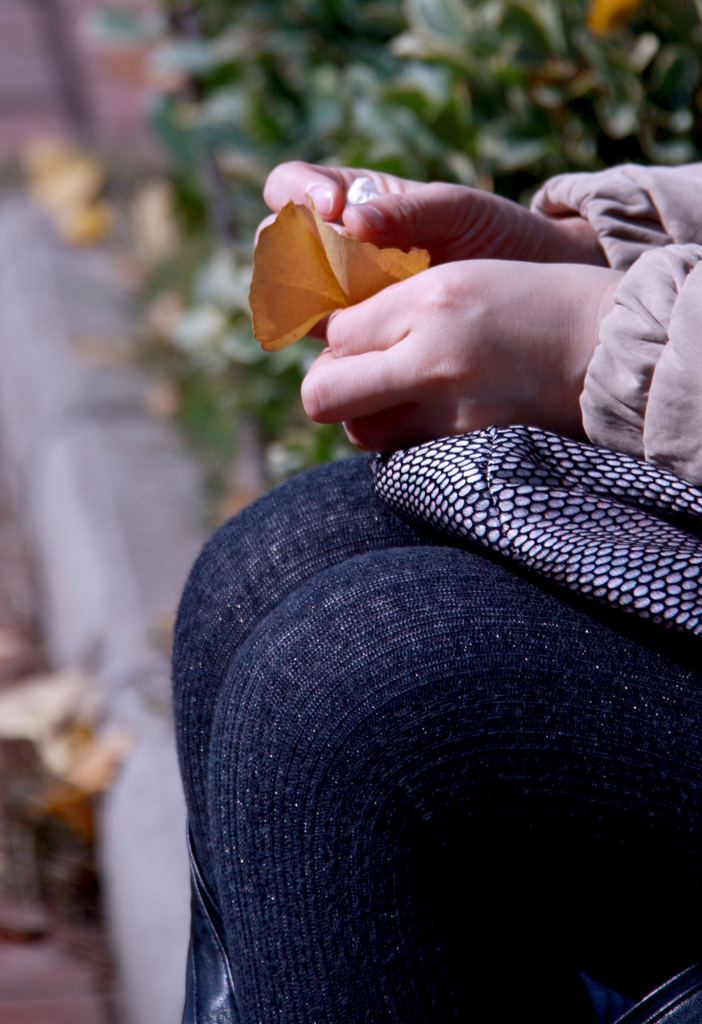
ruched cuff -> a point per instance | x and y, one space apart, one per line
632 208
643 389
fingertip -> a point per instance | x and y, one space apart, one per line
311 389
357 439
325 199
294 179
307 397
365 222
266 222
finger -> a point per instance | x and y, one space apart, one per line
319 330
376 324
294 179
335 390
400 427
327 186
430 217
264 224
454 222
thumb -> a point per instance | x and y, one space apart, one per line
431 217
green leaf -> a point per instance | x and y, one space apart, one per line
675 75
510 150
422 87
619 118
119 26
440 17
190 56
538 24
645 49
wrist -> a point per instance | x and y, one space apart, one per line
577 241
588 296
607 300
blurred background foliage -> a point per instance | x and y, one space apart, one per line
498 94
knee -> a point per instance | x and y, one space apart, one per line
335 690
257 557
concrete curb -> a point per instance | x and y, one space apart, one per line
114 511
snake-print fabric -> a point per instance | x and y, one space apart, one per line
607 525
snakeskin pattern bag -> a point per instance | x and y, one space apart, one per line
617 530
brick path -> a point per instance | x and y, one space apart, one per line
32 101
54 959
42 985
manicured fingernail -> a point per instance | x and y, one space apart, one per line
371 217
323 198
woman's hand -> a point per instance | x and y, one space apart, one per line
453 222
461 347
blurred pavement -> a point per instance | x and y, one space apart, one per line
54 958
113 512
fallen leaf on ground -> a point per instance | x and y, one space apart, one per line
304 269
67 183
61 176
59 713
40 705
85 224
154 225
100 758
63 802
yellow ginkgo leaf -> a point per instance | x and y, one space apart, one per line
292 286
61 176
84 223
67 183
606 15
304 269
361 268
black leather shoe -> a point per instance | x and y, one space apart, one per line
209 990
678 1001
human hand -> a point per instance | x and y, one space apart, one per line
454 222
461 347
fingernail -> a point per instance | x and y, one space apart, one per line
323 198
371 217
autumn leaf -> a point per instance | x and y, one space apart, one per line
607 15
67 183
40 706
59 713
154 226
304 269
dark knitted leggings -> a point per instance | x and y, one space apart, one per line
424 787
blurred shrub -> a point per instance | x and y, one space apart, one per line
495 93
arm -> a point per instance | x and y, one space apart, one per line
632 209
564 347
504 342
643 388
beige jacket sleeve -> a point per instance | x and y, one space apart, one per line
643 390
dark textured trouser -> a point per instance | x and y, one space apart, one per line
425 787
